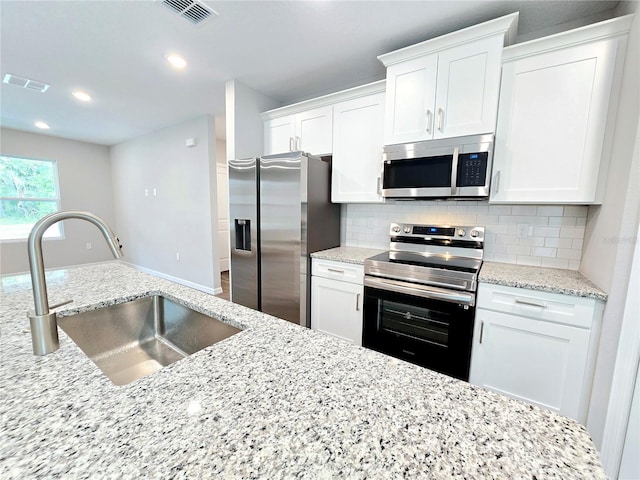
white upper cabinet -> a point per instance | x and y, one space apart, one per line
448 86
411 95
556 96
309 131
314 131
358 126
279 135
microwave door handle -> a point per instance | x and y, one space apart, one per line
454 171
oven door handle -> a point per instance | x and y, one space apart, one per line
423 291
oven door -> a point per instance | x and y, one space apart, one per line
431 327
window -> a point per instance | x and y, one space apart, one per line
28 191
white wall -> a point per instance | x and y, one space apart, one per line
244 124
556 231
611 231
180 217
85 184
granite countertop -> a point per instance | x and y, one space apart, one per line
273 401
355 255
555 280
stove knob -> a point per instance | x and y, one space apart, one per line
474 233
396 228
462 233
407 229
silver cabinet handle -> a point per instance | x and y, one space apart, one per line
335 270
298 143
429 120
291 148
496 182
357 302
481 331
532 303
440 119
379 186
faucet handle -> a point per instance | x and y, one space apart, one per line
64 302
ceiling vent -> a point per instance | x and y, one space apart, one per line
194 11
16 81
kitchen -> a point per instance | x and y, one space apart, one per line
364 225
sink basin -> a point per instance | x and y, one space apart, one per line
131 340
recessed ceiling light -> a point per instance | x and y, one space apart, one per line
176 61
82 96
42 125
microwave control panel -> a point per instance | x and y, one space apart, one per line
472 169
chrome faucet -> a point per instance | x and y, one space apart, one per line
44 326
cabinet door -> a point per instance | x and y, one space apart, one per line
551 124
535 361
336 308
411 93
279 135
314 131
357 149
467 88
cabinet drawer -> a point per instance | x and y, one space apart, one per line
551 307
346 272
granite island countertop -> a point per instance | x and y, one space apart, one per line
273 401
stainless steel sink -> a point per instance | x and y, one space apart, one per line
134 339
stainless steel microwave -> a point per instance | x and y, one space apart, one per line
449 167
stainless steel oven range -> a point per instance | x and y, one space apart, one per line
420 296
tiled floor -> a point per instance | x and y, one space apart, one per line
224 278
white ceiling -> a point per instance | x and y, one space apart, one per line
288 50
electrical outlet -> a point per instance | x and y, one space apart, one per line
89 246
146 192
155 192
177 256
523 230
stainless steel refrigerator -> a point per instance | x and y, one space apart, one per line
280 211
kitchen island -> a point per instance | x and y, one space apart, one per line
273 401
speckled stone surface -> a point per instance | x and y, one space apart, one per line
355 255
555 280
274 401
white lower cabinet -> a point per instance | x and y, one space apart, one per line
535 346
336 299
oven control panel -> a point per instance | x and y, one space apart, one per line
450 232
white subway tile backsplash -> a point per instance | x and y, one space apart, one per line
529 260
563 221
544 252
572 232
555 263
546 231
523 210
574 264
569 253
558 242
500 209
575 211
519 249
550 211
554 238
